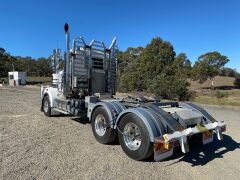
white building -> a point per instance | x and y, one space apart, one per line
17 78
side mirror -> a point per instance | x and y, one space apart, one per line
66 27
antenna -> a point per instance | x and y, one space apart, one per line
113 42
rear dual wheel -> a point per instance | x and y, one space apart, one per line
132 133
134 137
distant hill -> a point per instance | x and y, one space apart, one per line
220 82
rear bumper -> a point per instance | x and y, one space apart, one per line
163 146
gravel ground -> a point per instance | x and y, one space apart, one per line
37 147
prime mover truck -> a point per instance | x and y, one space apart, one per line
86 87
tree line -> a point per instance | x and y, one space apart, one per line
33 67
155 68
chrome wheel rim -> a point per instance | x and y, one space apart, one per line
132 136
45 106
100 125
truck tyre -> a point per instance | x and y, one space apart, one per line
101 126
134 137
46 106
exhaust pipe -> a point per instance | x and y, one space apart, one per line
66 27
66 62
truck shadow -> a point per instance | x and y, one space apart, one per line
200 155
82 120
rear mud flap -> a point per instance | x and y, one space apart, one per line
207 137
159 155
162 150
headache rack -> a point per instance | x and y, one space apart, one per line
90 68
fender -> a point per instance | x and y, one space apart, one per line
44 94
113 108
199 109
51 93
119 106
149 121
157 122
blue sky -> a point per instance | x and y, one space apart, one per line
34 28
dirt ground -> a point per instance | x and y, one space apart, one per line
37 147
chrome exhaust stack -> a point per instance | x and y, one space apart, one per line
56 60
66 63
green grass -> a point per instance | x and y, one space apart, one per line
204 95
232 100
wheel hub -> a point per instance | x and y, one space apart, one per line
100 125
132 136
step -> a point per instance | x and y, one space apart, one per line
60 111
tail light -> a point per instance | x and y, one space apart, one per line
161 145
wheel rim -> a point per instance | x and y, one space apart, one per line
132 136
45 106
100 125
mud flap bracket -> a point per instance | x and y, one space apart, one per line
184 144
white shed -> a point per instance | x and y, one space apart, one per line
17 78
